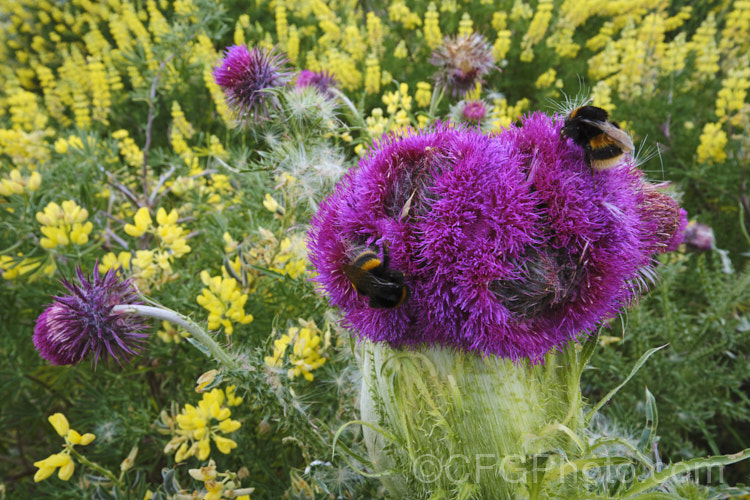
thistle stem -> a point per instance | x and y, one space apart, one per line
437 96
96 467
198 333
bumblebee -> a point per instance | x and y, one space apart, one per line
372 277
604 142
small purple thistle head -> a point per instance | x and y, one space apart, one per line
246 76
321 80
83 322
471 113
666 219
699 237
461 62
474 111
509 245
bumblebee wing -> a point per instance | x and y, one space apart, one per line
381 291
384 293
616 135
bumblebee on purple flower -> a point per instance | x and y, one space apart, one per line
509 245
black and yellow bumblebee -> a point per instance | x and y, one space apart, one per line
372 277
604 142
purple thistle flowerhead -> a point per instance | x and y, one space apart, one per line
474 111
668 221
246 76
321 80
509 245
83 322
699 237
471 112
461 62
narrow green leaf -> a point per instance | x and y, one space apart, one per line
582 465
357 457
589 347
652 422
683 468
199 346
641 361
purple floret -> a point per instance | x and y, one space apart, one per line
511 245
83 322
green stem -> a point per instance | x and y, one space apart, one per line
196 331
437 96
96 467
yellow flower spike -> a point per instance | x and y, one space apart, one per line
224 445
142 223
61 146
60 423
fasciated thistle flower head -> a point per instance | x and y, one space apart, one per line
461 62
509 245
246 76
83 322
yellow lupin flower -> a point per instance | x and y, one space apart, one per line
432 35
306 353
376 123
546 79
62 461
142 221
224 301
423 95
12 268
372 75
64 225
198 426
60 424
272 205
15 183
713 141
111 260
